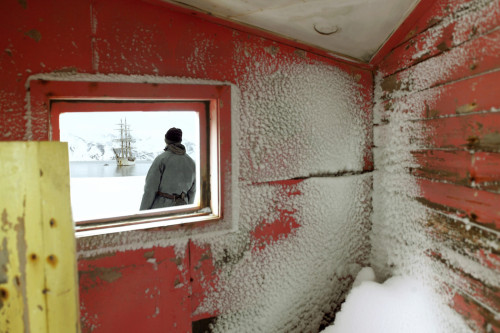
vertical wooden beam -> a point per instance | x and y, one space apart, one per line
38 281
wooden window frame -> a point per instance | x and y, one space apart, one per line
48 99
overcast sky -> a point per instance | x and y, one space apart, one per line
150 126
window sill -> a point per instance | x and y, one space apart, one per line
141 223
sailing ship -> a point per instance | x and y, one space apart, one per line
124 155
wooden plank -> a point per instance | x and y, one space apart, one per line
443 165
468 22
58 239
479 170
468 240
14 312
485 170
471 58
39 290
473 132
476 205
145 290
438 10
476 94
479 291
478 318
203 278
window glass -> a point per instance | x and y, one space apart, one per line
110 154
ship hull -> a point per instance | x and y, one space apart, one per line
124 161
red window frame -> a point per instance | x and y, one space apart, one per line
48 99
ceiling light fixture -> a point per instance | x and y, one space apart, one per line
325 29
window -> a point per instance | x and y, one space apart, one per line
105 123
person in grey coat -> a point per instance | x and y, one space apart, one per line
171 179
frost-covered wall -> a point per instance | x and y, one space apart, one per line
436 195
295 229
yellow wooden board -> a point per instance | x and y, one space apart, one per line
38 275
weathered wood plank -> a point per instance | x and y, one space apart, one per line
468 21
473 132
476 94
477 317
487 295
476 205
468 240
443 165
440 10
476 56
479 170
144 290
485 171
39 293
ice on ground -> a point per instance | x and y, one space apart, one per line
100 197
400 304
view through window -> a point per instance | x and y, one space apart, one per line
101 119
111 152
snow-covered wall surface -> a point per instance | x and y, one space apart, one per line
296 220
436 195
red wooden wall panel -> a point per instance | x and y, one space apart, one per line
38 37
445 75
152 289
136 291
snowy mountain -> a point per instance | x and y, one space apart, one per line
101 148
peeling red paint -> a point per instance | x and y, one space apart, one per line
267 233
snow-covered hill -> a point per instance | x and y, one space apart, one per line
101 148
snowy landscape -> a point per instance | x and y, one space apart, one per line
105 189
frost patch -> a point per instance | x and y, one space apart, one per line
300 119
200 56
293 283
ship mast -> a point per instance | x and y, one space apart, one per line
125 151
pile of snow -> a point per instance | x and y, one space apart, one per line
400 304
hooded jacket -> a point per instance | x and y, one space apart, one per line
172 172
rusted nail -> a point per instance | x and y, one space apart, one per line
52 259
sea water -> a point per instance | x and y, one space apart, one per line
80 169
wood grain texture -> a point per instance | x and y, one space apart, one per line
473 169
474 57
476 205
443 33
472 95
40 291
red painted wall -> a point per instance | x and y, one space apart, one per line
445 73
153 280
147 286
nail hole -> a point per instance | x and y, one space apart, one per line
52 222
4 294
52 259
33 256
